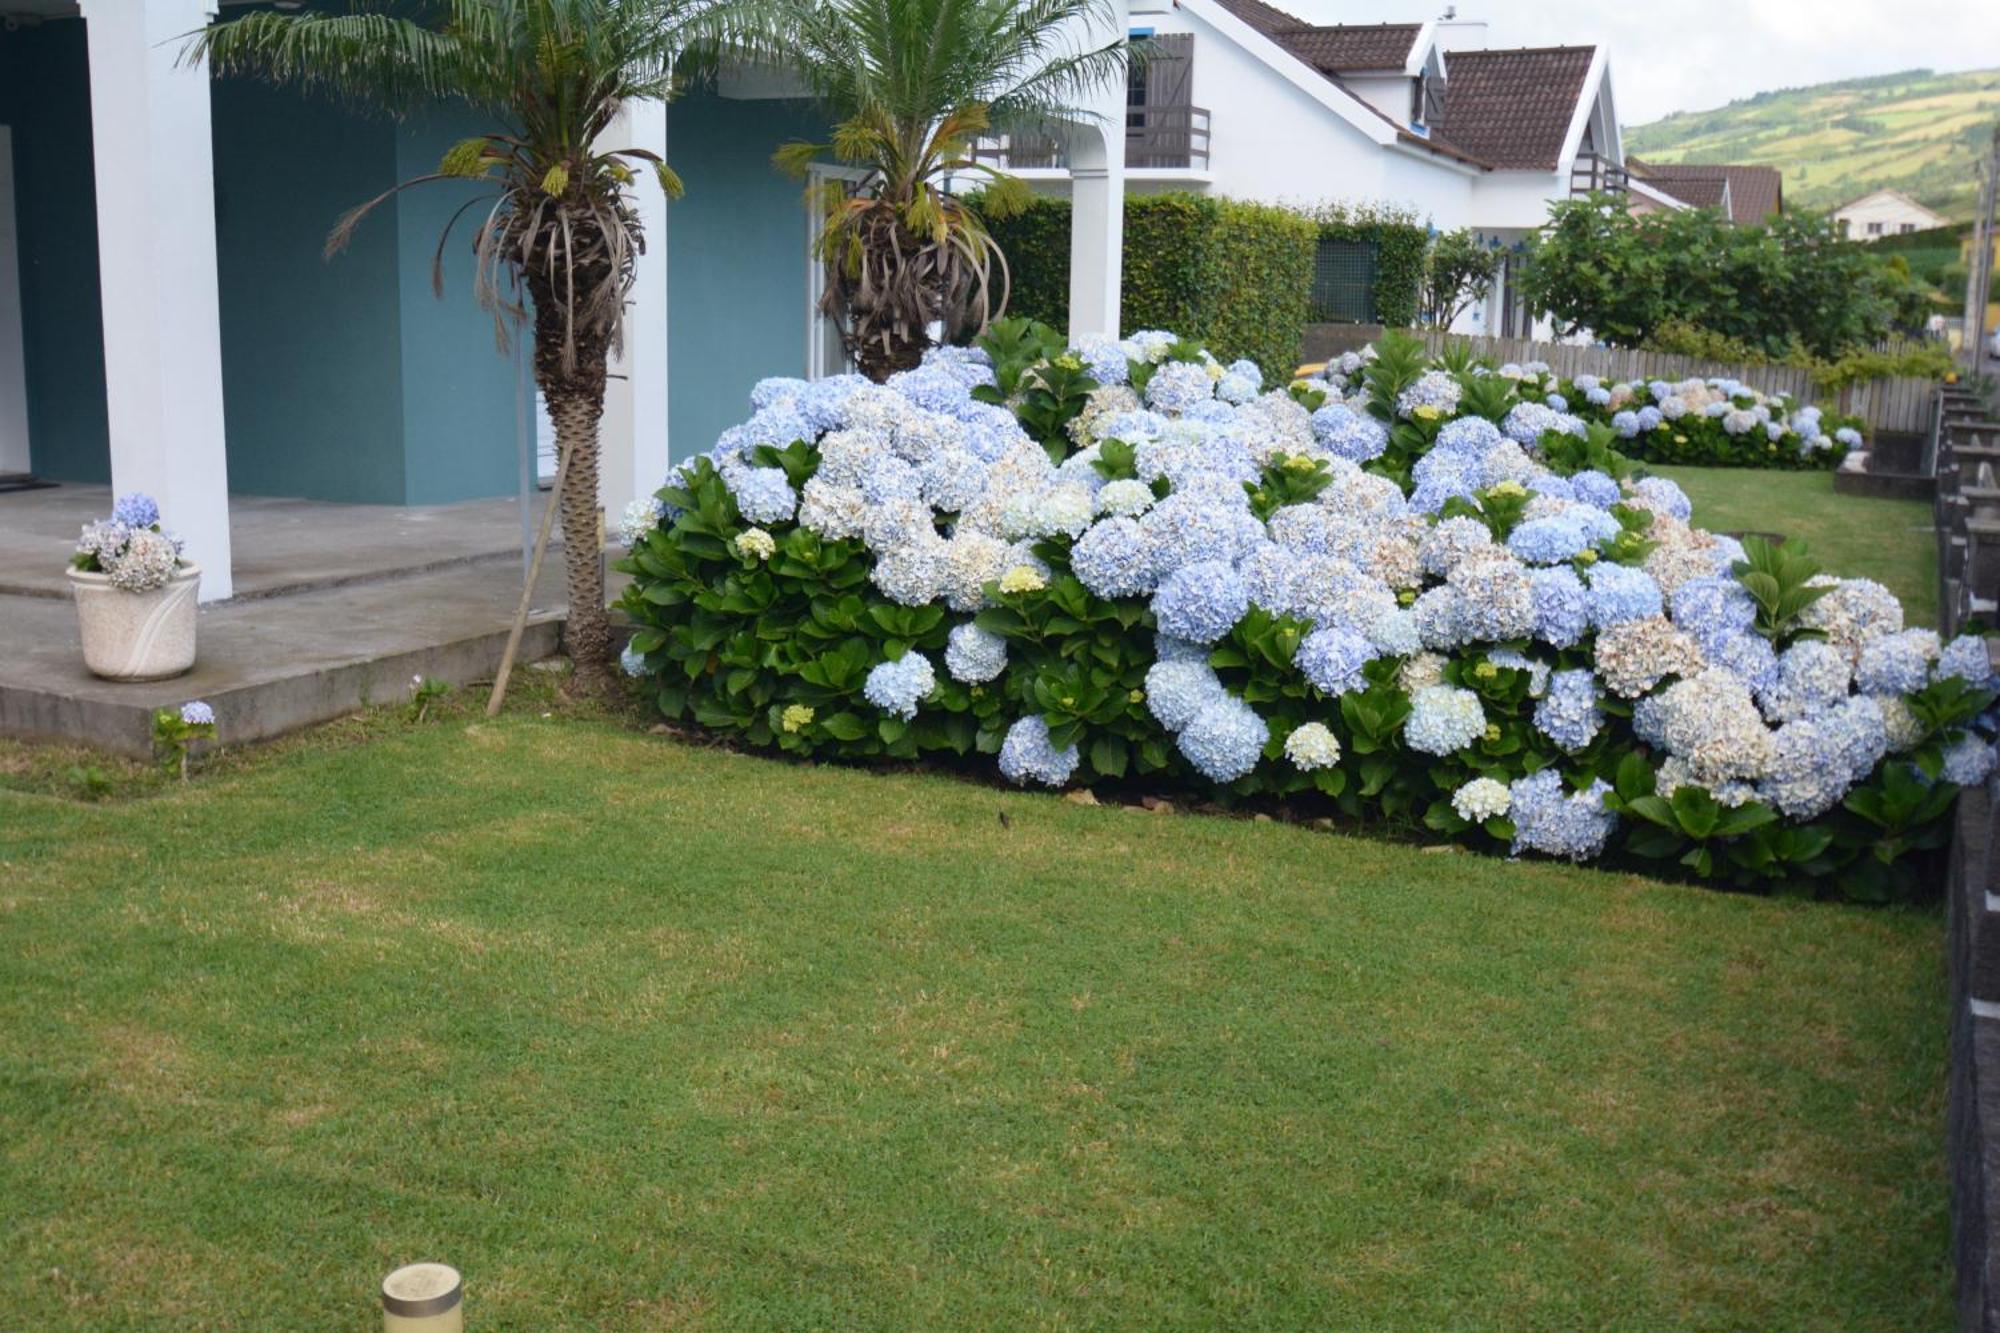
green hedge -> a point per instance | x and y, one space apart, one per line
1235 276
1402 245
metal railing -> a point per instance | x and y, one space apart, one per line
1156 138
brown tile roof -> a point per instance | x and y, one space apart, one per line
1348 48
1513 108
1354 49
1755 193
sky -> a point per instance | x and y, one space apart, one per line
1690 55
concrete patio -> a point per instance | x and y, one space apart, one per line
337 606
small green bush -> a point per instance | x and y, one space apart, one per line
1402 247
1923 360
1236 276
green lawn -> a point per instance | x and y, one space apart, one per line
1890 541
640 1034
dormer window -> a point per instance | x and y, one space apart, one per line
1426 100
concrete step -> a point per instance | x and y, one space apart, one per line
270 665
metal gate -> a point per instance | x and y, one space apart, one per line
1344 282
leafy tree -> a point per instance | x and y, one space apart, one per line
1793 284
561 230
1458 274
914 85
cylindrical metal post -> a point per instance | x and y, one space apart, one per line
423 1298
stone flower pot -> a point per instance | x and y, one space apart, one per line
136 635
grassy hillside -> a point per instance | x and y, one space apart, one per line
1916 131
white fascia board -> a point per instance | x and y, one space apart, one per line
1420 50
1586 105
1436 159
1293 70
1657 195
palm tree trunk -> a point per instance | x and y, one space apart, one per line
575 398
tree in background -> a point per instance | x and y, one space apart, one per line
1458 274
1791 286
560 231
914 84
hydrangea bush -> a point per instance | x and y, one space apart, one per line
1712 422
1405 591
129 547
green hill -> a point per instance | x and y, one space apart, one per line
1917 131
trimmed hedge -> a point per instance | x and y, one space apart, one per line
1402 246
1235 276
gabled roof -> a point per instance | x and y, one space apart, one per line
1346 48
1897 195
1514 109
1755 193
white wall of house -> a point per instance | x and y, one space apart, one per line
1884 213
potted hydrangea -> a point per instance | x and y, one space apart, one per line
135 596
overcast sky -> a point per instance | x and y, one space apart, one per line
1689 55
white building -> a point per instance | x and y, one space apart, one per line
1242 99
1884 213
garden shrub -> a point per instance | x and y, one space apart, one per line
1235 275
1402 251
1920 359
1401 593
1595 266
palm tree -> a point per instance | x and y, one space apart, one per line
914 84
560 228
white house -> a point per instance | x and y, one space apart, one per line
1884 213
1243 99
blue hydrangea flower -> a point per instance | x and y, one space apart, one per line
1104 359
1027 756
1551 819
1471 436
1812 676
1332 660
1270 573
974 655
135 509
1664 497
1619 593
1969 762
1966 658
631 661
1550 541
1225 739
1897 663
897 687
1526 423
763 495
195 713
1113 559
1178 688
1569 714
1177 386
1713 610
1626 423
1341 431
1562 608
1200 602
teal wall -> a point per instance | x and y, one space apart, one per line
736 260
45 100
312 376
459 423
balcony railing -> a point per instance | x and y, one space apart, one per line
1591 174
1156 138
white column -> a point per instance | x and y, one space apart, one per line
156 268
13 356
634 433
1097 197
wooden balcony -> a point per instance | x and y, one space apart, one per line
1157 138
1591 174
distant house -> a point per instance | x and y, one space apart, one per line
1239 98
1746 195
1884 213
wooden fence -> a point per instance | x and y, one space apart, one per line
1897 406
